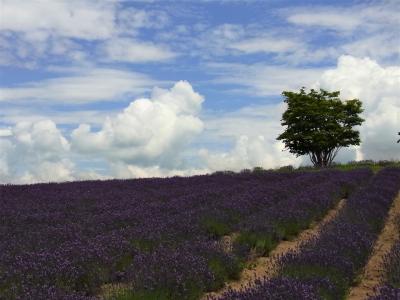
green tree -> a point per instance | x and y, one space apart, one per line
319 124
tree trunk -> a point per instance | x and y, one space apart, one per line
322 159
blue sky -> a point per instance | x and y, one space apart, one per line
100 89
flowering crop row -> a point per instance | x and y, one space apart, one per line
263 230
325 267
390 288
158 237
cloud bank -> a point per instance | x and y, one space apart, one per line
35 152
254 129
152 136
147 138
71 69
378 88
150 131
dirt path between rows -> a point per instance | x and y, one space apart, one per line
266 266
373 271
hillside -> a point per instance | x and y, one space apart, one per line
250 235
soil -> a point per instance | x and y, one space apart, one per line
265 267
373 272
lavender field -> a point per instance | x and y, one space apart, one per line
162 238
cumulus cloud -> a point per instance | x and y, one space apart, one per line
122 170
253 131
5 132
378 87
149 132
6 148
34 152
148 138
250 152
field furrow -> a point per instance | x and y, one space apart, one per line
327 266
158 238
374 272
267 266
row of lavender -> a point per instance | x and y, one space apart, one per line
156 235
326 267
263 230
298 210
390 288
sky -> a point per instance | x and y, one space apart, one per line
126 89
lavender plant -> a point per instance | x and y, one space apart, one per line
158 237
390 287
342 248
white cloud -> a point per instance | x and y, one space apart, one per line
380 46
339 20
211 41
70 118
250 152
365 29
240 39
378 88
48 171
128 50
5 132
148 138
42 138
255 128
34 152
266 44
33 30
6 148
253 131
76 19
149 132
121 170
251 121
261 79
129 19
85 85
364 17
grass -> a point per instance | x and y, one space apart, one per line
120 292
224 272
260 242
216 228
375 166
144 245
124 262
128 294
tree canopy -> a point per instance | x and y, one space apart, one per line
319 124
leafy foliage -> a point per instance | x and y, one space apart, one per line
319 124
